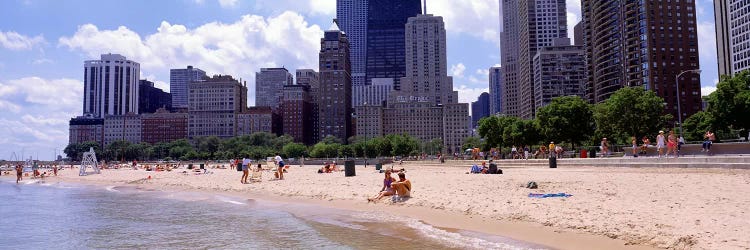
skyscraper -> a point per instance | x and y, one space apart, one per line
732 36
296 109
540 23
509 56
480 109
214 106
496 90
335 91
151 98
110 86
386 20
351 16
559 70
311 78
269 83
179 80
648 47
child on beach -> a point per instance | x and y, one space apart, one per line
387 190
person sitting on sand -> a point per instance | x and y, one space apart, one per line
387 190
485 170
402 186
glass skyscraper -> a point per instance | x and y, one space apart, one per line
386 20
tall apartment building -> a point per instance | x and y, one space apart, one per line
127 127
496 90
559 71
151 98
335 92
578 34
110 86
162 126
179 81
372 95
296 113
646 43
732 36
509 48
426 107
386 20
86 128
311 78
540 23
351 17
268 85
480 109
214 105
257 119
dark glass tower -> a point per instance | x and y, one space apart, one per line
385 38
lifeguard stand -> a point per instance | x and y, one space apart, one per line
89 159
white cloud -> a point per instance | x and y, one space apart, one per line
707 90
238 48
14 41
468 94
42 61
479 18
227 3
458 70
324 7
707 40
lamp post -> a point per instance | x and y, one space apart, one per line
677 83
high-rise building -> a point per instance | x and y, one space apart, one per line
496 90
151 98
372 95
110 86
163 126
86 128
386 20
480 109
296 113
311 78
540 23
559 71
732 36
179 80
426 107
127 127
335 91
268 85
213 106
578 34
351 16
649 46
509 56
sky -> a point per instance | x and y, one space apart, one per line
44 43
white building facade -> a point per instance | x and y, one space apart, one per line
110 86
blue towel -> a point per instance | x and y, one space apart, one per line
564 195
476 169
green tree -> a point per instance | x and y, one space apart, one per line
281 141
490 128
75 151
346 151
208 145
730 103
294 150
331 139
568 118
631 111
434 146
403 145
472 142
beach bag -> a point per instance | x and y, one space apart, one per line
499 171
531 185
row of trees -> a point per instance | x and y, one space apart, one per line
256 146
628 112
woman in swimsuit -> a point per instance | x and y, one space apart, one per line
386 190
672 144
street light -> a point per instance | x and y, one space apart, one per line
677 83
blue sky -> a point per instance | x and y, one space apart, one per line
43 45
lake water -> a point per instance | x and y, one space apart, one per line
39 215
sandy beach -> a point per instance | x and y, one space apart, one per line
611 208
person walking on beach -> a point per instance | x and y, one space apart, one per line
660 143
54 169
635 146
709 140
605 147
402 186
19 173
280 169
671 144
245 172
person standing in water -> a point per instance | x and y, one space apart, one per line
19 173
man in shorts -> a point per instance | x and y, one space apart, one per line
280 162
660 143
19 173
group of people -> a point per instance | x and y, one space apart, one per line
329 168
671 143
391 186
492 169
245 164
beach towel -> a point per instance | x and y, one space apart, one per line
564 195
476 169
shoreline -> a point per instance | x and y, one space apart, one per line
520 231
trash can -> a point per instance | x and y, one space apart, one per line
593 153
202 166
552 162
349 168
378 166
584 153
190 166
